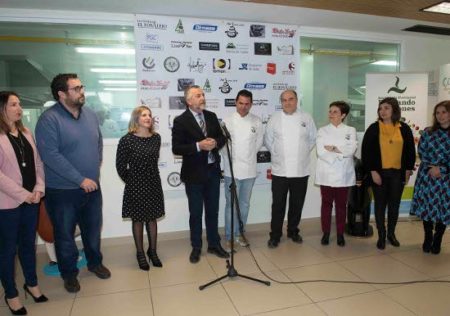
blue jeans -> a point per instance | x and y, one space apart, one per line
66 209
18 231
244 192
206 194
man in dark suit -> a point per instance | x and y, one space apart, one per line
197 136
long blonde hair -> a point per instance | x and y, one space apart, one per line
133 125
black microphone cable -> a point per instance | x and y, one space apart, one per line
339 281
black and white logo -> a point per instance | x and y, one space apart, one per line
177 103
171 64
174 179
209 46
149 64
230 102
151 24
263 49
196 66
184 83
225 87
231 31
181 44
285 49
257 30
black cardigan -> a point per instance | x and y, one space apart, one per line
371 151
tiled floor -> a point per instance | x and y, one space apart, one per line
173 290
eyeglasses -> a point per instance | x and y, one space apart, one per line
77 88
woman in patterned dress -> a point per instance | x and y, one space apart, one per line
431 200
143 199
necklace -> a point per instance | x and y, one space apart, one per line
390 136
21 146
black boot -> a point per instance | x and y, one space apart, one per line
437 238
381 243
325 239
428 241
393 240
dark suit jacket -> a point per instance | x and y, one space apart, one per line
185 134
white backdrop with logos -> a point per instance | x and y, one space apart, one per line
222 57
444 83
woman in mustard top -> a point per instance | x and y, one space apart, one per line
388 155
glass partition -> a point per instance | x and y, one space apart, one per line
333 69
31 54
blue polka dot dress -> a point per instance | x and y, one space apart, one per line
137 165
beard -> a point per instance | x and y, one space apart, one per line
79 102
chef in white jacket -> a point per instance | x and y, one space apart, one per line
335 171
290 136
246 131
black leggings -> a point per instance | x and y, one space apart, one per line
389 194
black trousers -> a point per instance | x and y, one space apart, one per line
389 194
297 192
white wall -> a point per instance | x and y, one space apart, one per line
417 54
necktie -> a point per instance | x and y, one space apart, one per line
202 123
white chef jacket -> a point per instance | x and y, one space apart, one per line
290 139
336 169
246 139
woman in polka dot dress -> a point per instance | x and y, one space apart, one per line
137 165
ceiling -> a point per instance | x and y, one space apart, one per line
380 16
406 9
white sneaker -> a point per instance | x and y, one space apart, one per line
241 241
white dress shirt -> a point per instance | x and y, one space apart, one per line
246 139
290 139
336 169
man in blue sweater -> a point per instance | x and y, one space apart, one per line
70 144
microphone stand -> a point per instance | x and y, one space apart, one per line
231 270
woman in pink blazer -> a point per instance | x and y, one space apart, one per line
21 189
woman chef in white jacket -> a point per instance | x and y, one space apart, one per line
335 171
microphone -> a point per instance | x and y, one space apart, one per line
225 131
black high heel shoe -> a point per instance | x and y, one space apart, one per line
40 299
153 256
20 311
142 261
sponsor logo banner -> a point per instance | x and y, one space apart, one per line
208 28
209 46
255 85
184 83
263 48
230 102
233 48
196 65
149 64
257 30
285 50
260 102
156 47
250 67
153 102
177 103
283 33
151 24
154 84
171 64
181 44
221 65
